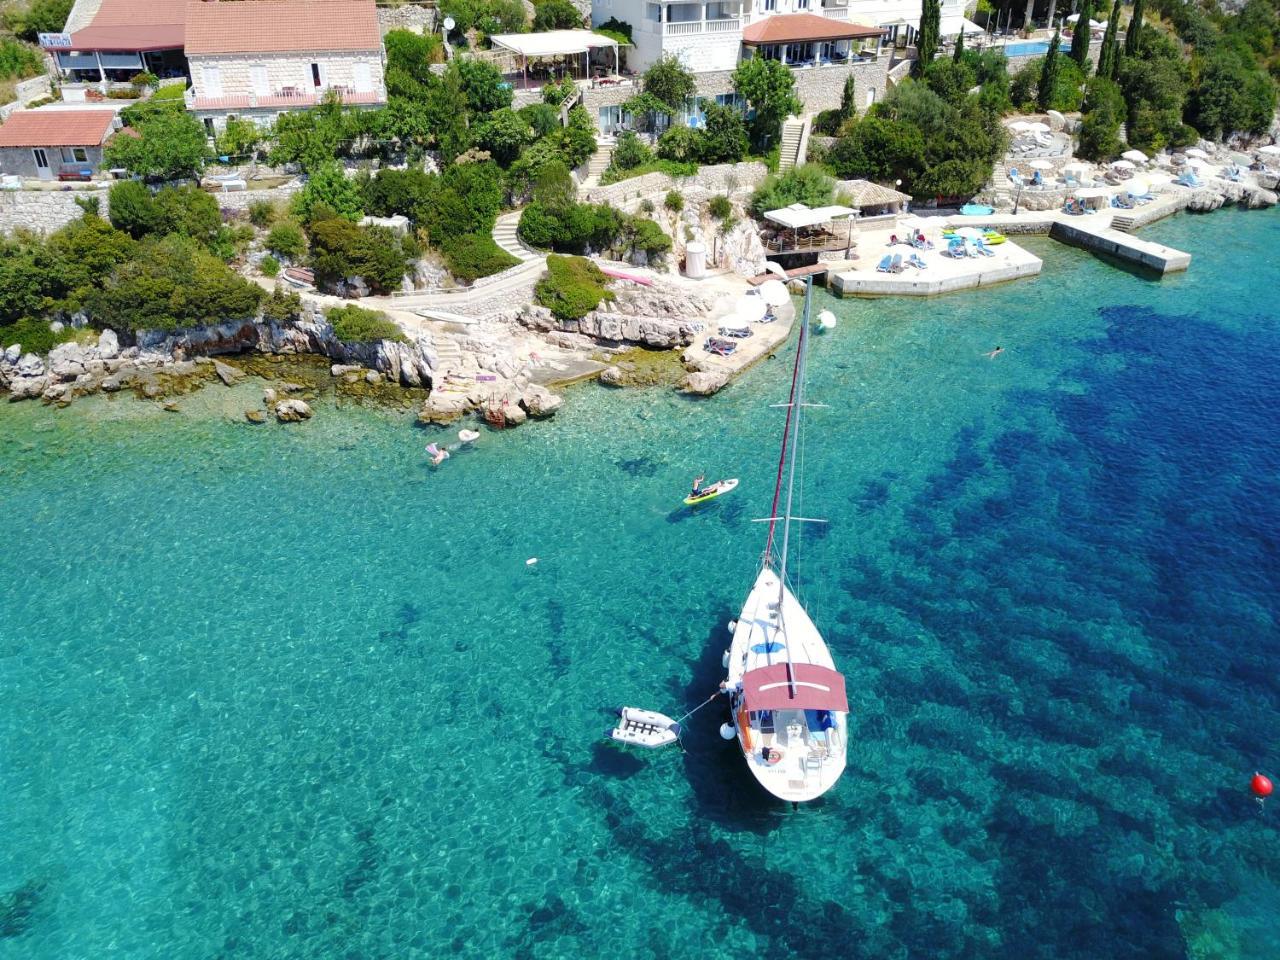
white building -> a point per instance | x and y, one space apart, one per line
256 59
709 35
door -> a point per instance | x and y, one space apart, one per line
258 78
317 76
212 82
43 170
363 78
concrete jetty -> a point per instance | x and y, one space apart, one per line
942 274
1101 238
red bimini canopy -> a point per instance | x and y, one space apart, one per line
794 686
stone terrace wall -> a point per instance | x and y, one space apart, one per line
720 178
408 17
44 210
240 199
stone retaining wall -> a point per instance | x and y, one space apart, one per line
408 17
240 199
726 178
44 210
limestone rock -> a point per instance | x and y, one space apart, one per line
171 407
13 353
22 388
228 374
373 377
443 408
66 361
108 345
1056 120
704 382
293 411
30 365
612 377
540 402
338 369
255 416
269 396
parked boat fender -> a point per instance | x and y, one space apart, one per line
745 727
724 659
733 625
726 731
774 756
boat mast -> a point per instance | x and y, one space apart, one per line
797 409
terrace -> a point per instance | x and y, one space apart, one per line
801 229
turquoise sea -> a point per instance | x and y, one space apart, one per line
272 692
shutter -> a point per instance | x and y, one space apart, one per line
364 79
212 82
258 78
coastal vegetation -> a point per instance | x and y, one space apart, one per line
353 324
342 251
162 142
572 287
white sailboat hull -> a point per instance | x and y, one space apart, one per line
796 755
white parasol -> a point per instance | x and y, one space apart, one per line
1195 162
1040 164
1077 166
971 233
1123 164
1196 152
1271 150
774 293
1137 156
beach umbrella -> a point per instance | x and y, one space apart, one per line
971 233
1271 150
1195 162
1123 165
1037 127
1020 126
1077 166
1196 152
1138 187
1137 156
751 308
1040 164
774 293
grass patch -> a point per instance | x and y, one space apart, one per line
35 335
672 168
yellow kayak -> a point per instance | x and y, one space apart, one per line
711 492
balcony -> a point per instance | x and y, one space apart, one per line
690 28
286 98
835 13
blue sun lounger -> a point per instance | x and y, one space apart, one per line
983 248
885 264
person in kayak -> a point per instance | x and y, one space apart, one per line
697 485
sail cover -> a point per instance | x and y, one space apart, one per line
794 686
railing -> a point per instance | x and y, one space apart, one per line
731 25
836 13
824 242
685 29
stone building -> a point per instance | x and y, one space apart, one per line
256 60
55 143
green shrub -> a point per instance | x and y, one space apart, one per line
403 192
630 151
170 91
17 60
35 335
572 287
269 266
673 201
352 324
475 255
262 213
720 207
281 306
133 209
643 234
556 15
286 241
808 184
646 206
680 144
543 118
341 250
670 167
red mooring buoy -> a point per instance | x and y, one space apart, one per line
1261 786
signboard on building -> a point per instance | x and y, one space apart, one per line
54 39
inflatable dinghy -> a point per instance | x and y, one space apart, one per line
644 728
468 436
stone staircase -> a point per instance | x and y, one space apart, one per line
599 162
795 134
448 357
504 235
1124 222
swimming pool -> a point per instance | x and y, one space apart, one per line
1032 48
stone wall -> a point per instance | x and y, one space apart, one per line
240 199
727 178
819 88
44 210
21 161
408 17
282 70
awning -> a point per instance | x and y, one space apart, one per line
552 43
804 28
794 686
798 215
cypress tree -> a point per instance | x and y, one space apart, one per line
1049 73
959 54
1109 55
1132 35
1080 36
927 40
848 101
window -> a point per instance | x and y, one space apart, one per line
41 158
208 126
653 12
212 82
316 80
258 79
79 154
769 6
871 96
802 4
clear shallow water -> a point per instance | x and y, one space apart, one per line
284 692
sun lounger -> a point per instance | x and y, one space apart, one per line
982 247
721 348
917 262
885 264
896 265
955 247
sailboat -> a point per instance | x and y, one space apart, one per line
788 703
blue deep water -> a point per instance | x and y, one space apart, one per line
272 692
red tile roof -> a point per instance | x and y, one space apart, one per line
128 25
802 27
281 26
56 128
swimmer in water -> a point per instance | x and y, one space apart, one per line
995 353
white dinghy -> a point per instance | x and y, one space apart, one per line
644 728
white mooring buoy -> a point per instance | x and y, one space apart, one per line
727 732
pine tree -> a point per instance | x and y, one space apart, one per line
1109 55
959 54
927 40
1049 73
1132 35
1080 36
